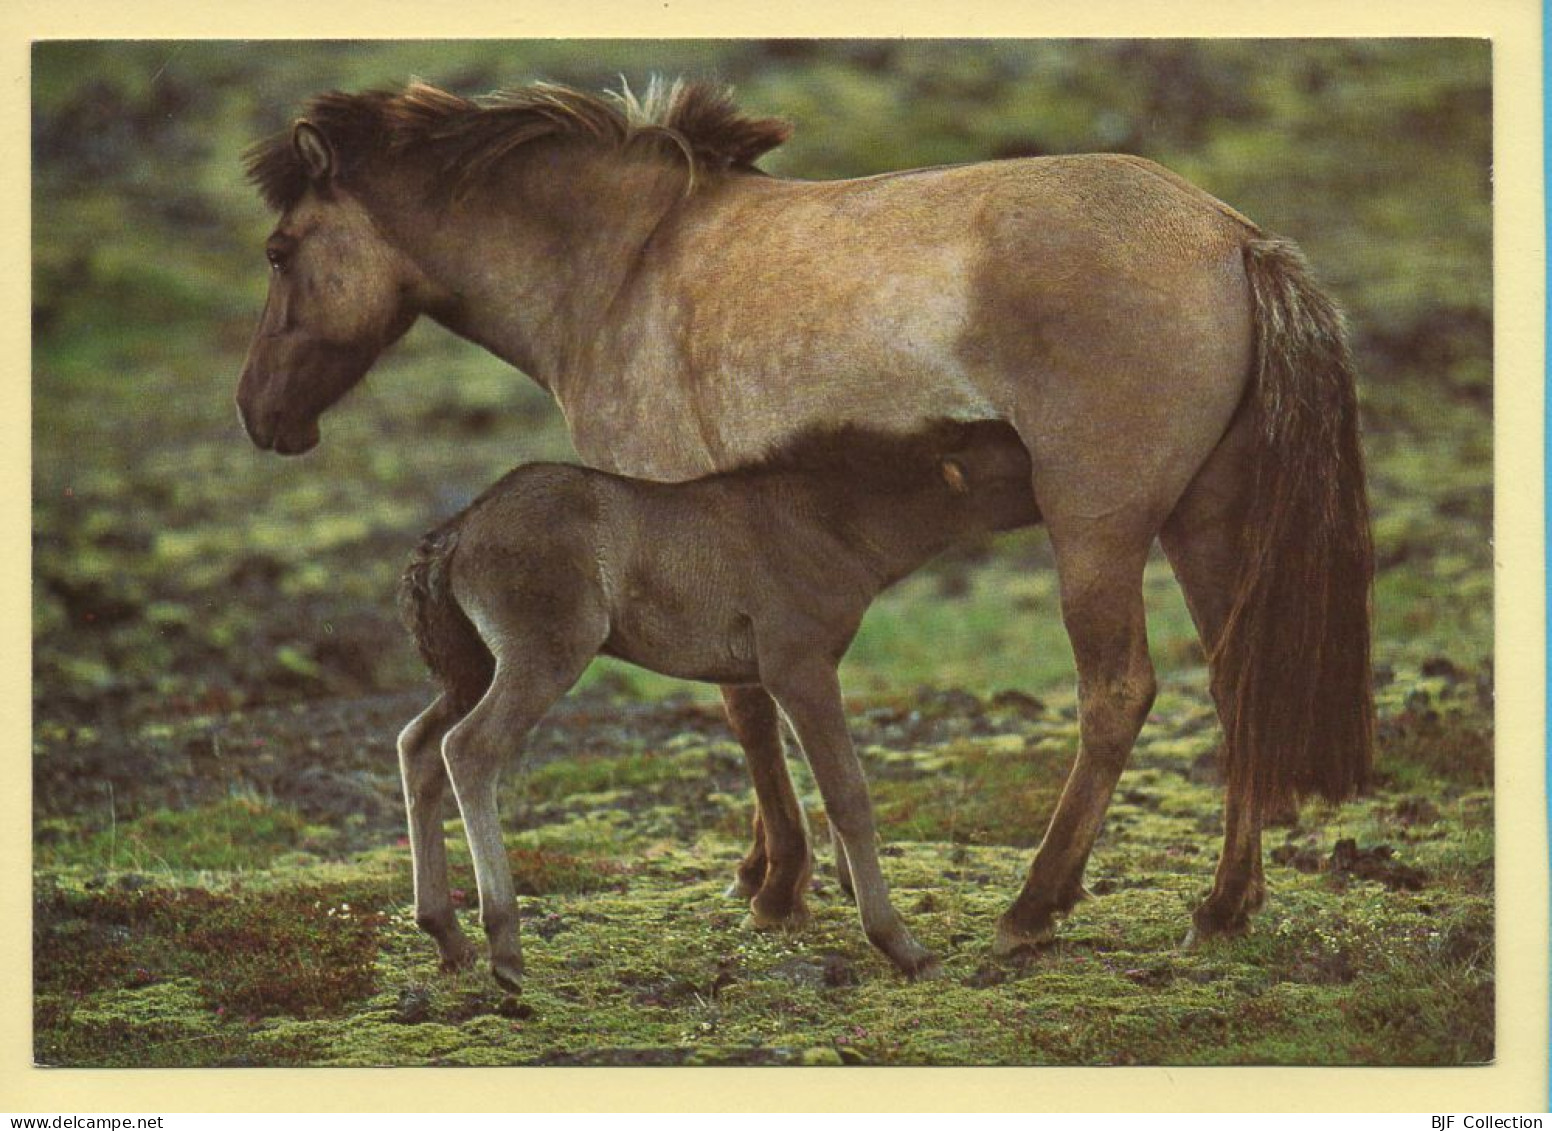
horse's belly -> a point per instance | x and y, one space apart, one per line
728 384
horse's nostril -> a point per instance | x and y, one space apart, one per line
259 429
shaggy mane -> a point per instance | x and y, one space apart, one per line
471 137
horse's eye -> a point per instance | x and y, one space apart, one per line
276 257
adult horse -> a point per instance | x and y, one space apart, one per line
1173 371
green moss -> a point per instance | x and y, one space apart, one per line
974 792
634 955
233 834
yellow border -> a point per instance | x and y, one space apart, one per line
1516 1082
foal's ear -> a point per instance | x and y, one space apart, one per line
314 149
954 476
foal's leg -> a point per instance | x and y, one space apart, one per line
425 784
1202 539
810 694
842 867
778 867
532 671
1101 586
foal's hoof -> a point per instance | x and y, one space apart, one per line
508 975
924 967
458 955
1011 941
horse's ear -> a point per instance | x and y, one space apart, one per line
314 149
954 476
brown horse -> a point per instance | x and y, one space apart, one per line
1173 372
758 576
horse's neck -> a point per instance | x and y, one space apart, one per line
532 266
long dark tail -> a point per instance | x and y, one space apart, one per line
1294 655
447 639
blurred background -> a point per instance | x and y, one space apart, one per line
178 572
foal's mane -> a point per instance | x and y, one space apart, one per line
469 137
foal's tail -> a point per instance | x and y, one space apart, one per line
1294 654
446 638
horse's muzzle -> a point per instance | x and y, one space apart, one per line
262 440
269 434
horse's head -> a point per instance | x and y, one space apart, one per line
339 294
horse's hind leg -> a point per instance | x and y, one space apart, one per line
1203 541
425 785
779 864
1100 571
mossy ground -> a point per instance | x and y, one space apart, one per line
291 947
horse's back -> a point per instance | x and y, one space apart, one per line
1071 296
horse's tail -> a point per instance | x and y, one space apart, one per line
448 641
1294 654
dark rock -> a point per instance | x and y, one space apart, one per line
1377 863
838 971
988 975
934 703
413 1006
547 927
1441 666
515 1008
1018 703
1303 858
1416 811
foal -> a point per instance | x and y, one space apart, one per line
758 575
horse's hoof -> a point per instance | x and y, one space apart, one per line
1011 941
1207 928
794 920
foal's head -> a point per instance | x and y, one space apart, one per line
967 475
339 294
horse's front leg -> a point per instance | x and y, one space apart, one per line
425 784
810 694
777 869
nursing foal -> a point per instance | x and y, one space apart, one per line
758 575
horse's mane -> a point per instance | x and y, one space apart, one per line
860 453
470 137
